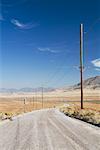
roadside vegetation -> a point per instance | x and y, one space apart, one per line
5 116
87 115
13 107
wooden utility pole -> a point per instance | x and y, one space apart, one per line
24 105
30 104
42 97
33 102
36 99
81 63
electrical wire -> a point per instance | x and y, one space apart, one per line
62 64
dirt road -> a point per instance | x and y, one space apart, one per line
48 130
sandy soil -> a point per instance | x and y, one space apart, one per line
15 102
72 95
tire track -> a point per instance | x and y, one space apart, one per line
48 130
69 139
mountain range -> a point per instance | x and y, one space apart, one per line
90 83
26 89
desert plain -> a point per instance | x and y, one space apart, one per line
17 103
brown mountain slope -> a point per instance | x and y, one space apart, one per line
92 83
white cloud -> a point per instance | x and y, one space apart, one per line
21 25
96 62
48 50
97 69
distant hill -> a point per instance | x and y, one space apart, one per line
27 89
91 83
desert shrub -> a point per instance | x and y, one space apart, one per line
87 115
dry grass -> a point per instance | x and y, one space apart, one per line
15 105
87 114
92 105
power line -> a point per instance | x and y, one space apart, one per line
92 26
61 66
87 35
55 72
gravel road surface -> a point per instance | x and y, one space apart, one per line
48 130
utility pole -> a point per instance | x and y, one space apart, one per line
33 102
36 99
30 104
42 97
24 105
81 63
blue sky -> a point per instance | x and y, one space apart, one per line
40 42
